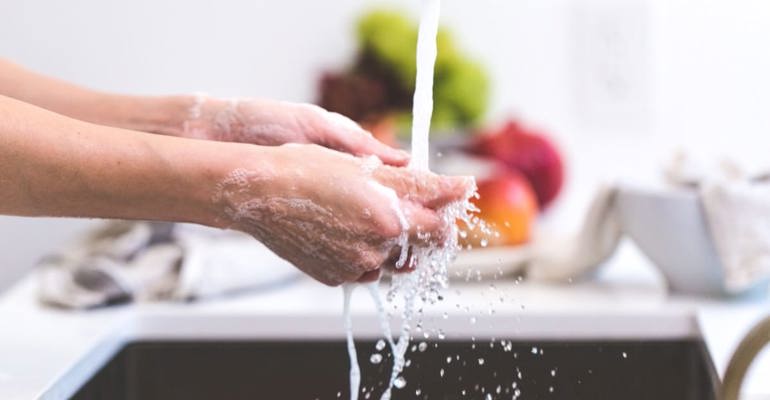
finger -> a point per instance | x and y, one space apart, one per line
367 145
346 135
425 225
427 189
370 276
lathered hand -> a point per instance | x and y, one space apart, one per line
271 123
337 217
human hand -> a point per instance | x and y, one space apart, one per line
337 217
273 123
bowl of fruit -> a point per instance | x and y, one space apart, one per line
520 174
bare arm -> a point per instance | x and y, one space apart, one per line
254 121
333 215
56 166
164 115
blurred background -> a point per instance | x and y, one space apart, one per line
616 85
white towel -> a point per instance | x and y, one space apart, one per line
570 257
736 205
123 261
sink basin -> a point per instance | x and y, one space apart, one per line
190 370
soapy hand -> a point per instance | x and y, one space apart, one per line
337 217
273 123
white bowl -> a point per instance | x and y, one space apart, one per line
670 228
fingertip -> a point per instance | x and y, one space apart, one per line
397 158
388 154
424 224
461 186
450 189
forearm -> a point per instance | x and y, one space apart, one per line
52 165
165 115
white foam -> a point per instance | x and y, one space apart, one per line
395 204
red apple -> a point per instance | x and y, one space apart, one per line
528 152
508 205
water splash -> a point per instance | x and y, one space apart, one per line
429 263
355 371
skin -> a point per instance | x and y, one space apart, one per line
198 117
69 151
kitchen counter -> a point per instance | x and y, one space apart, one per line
48 354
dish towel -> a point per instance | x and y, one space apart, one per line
571 257
736 206
123 261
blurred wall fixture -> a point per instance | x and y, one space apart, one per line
610 42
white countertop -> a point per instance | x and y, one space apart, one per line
48 353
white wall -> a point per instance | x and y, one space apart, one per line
703 81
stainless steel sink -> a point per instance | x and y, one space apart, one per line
627 370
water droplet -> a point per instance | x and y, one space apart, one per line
550 389
399 382
625 355
534 350
446 315
488 397
376 358
553 372
484 242
448 360
473 320
441 335
481 361
441 373
380 345
422 346
418 392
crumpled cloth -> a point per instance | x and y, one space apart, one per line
736 205
579 254
124 261
736 202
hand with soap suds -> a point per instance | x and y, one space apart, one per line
272 123
337 217
68 151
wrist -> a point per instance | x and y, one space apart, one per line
164 115
236 174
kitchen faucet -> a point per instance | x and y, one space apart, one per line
744 356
